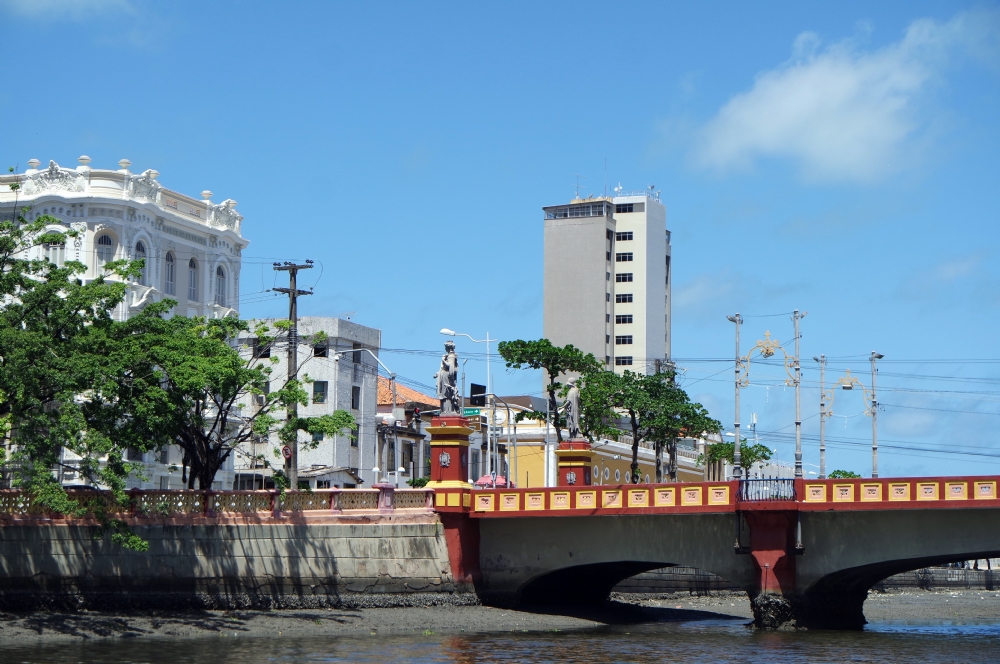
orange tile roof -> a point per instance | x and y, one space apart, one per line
403 395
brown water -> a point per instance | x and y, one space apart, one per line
701 641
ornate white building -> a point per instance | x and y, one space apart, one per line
192 250
192 247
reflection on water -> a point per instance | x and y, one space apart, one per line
703 641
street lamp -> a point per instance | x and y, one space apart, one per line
847 382
768 347
392 384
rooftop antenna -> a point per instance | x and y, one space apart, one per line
618 189
578 183
346 314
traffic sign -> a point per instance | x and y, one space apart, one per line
470 412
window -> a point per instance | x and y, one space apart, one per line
55 254
607 318
260 350
607 359
618 476
623 298
140 254
105 250
623 207
318 437
169 275
133 454
624 236
320 350
322 484
623 339
607 255
623 360
220 286
356 353
607 297
625 257
623 319
607 338
319 391
607 276
192 279
356 397
623 278
610 234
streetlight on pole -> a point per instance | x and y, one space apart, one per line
848 382
823 414
874 356
737 471
796 317
392 384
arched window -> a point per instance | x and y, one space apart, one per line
220 286
170 275
55 253
140 253
105 250
192 279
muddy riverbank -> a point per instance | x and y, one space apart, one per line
916 606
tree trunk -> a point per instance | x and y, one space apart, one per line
635 446
673 459
659 461
554 414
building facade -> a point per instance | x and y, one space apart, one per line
607 279
343 375
192 250
642 283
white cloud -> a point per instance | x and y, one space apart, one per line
74 10
842 113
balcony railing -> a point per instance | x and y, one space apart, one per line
766 490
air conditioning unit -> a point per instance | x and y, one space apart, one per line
261 400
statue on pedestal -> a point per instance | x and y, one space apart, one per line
447 381
572 410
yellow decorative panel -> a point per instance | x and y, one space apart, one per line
691 495
612 498
665 497
465 499
718 495
955 491
638 498
986 490
899 491
509 502
534 501
871 493
440 499
927 490
560 500
453 499
586 500
484 502
815 493
843 493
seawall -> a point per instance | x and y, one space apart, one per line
253 561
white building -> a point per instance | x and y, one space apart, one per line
192 249
607 279
642 282
344 375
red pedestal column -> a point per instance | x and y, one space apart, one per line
575 459
450 462
772 545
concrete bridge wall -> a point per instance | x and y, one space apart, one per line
261 563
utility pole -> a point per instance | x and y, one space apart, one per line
796 317
292 462
737 471
874 356
822 416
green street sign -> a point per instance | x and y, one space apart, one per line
470 412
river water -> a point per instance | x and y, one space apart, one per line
700 641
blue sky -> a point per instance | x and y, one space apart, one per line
838 158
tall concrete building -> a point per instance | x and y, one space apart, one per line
607 279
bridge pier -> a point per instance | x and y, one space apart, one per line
772 549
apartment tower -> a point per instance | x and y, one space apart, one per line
607 279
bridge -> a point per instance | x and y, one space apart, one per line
805 551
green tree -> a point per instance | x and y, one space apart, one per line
206 391
54 329
725 451
654 408
843 475
556 361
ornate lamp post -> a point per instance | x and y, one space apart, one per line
768 347
849 382
824 413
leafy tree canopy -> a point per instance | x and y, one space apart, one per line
725 451
843 475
